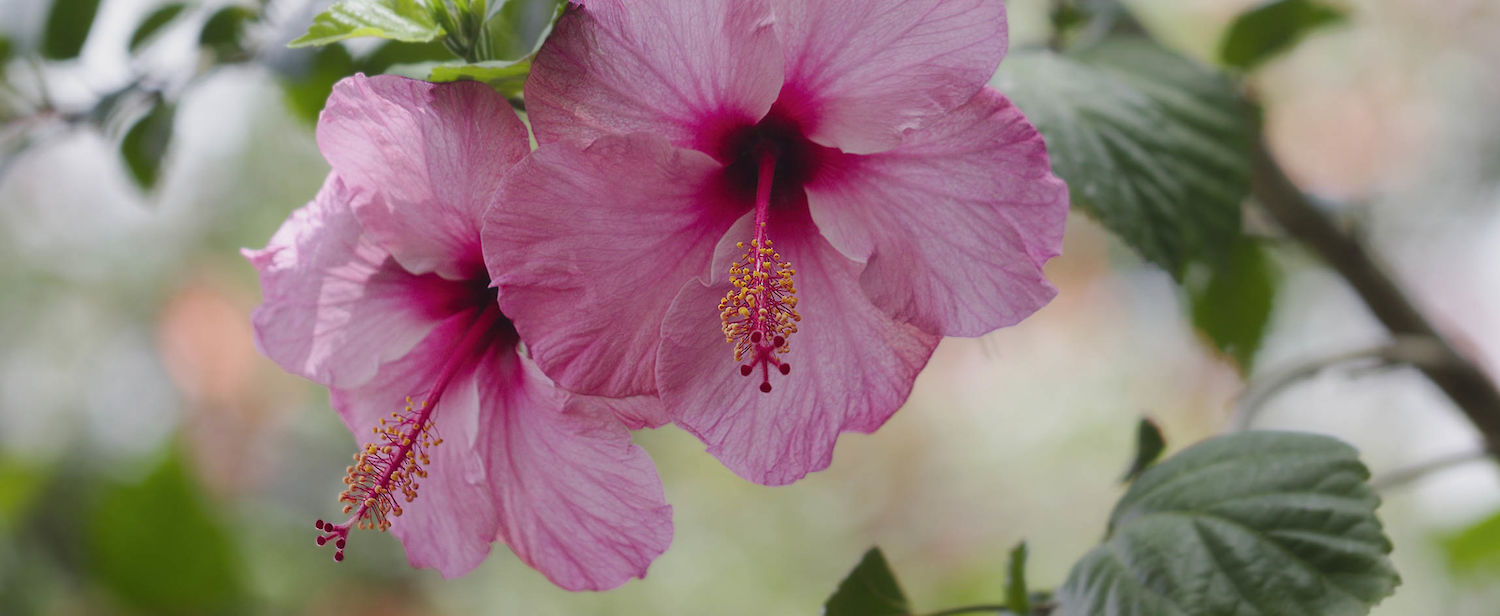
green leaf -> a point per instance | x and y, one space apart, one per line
518 29
160 548
869 590
1241 525
145 144
505 77
1148 447
307 89
67 28
1151 144
1016 595
1476 549
401 20
224 31
1272 28
5 50
1231 304
153 23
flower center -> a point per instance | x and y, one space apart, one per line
760 313
387 472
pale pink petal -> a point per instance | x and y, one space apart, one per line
637 412
577 500
955 223
851 365
861 72
678 69
430 155
453 521
336 305
588 246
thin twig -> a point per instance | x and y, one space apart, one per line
1403 476
1457 375
971 609
1413 350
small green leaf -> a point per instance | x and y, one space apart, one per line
67 28
505 77
160 548
1017 598
308 88
401 20
145 144
153 24
1476 549
224 31
1151 144
1231 304
1250 523
518 29
1272 28
5 50
1148 447
869 590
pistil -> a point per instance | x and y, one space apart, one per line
385 474
760 313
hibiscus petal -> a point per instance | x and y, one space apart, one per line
864 71
431 155
590 244
336 305
637 412
678 69
577 500
955 223
453 521
851 365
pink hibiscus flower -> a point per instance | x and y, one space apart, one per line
769 211
377 289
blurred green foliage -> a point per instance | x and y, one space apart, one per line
68 25
159 547
1231 303
1273 28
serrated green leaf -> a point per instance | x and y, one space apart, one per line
869 590
145 144
1248 524
153 23
68 25
505 77
518 29
1148 447
1151 144
1231 303
1017 598
400 20
165 522
1272 28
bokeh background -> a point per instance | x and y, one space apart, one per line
152 462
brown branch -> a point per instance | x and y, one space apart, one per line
1457 375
